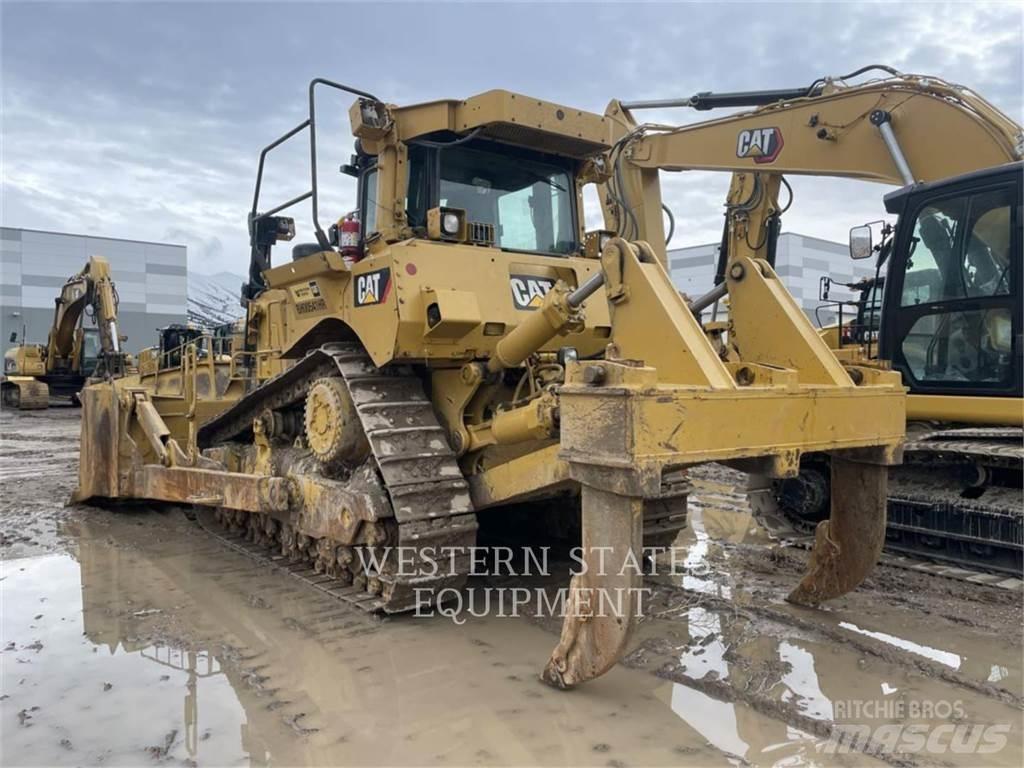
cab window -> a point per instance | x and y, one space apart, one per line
369 206
957 323
90 350
960 249
528 201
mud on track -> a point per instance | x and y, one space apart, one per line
134 637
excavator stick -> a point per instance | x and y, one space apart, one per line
848 544
604 598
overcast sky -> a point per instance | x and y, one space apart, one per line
145 120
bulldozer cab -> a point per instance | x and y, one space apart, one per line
495 170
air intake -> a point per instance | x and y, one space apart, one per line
480 233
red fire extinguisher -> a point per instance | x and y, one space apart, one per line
348 239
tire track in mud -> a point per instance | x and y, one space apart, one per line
14 468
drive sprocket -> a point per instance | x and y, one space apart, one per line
333 429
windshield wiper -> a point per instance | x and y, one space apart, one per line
546 180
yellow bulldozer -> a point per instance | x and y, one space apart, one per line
73 353
471 347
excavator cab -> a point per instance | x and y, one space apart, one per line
950 323
952 320
91 350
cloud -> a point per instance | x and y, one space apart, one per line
145 121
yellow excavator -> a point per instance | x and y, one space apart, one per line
946 315
472 348
73 353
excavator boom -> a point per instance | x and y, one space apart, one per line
899 130
92 287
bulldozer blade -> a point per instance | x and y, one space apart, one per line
849 543
604 596
99 447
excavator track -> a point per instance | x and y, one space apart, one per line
432 514
957 498
25 394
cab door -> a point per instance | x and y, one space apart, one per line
953 296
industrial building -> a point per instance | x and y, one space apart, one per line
151 280
800 261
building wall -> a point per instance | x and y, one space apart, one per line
150 280
800 261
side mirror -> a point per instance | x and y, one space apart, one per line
14 336
861 246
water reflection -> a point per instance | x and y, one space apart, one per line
211 659
159 644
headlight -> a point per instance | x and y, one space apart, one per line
445 223
450 224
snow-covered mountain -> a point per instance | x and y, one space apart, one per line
213 299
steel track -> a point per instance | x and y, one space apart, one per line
429 497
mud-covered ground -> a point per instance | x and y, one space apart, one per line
134 637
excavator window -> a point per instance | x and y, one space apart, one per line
959 303
90 351
960 249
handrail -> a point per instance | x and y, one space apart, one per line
313 192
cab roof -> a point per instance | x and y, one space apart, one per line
509 117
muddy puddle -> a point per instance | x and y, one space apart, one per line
149 641
136 638
881 668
